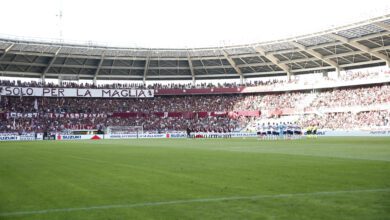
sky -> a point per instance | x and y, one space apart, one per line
178 23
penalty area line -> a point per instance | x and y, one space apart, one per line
200 200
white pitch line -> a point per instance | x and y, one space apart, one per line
200 200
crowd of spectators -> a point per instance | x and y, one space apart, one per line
363 96
344 97
154 124
358 75
284 100
213 103
70 84
209 103
348 120
150 123
276 81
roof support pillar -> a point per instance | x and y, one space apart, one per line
234 65
43 76
43 79
338 72
98 69
191 70
288 76
146 69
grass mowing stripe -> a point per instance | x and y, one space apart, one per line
121 165
237 149
200 200
246 149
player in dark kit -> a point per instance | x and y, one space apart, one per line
188 132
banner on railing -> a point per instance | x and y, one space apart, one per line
76 92
54 115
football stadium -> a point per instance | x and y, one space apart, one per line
293 127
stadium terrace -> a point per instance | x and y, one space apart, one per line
361 98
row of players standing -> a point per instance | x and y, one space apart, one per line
279 131
217 133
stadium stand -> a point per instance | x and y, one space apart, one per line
312 79
331 108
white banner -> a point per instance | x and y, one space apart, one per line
75 92
130 136
341 133
179 135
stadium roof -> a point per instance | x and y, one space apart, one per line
362 44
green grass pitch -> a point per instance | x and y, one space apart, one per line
324 178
